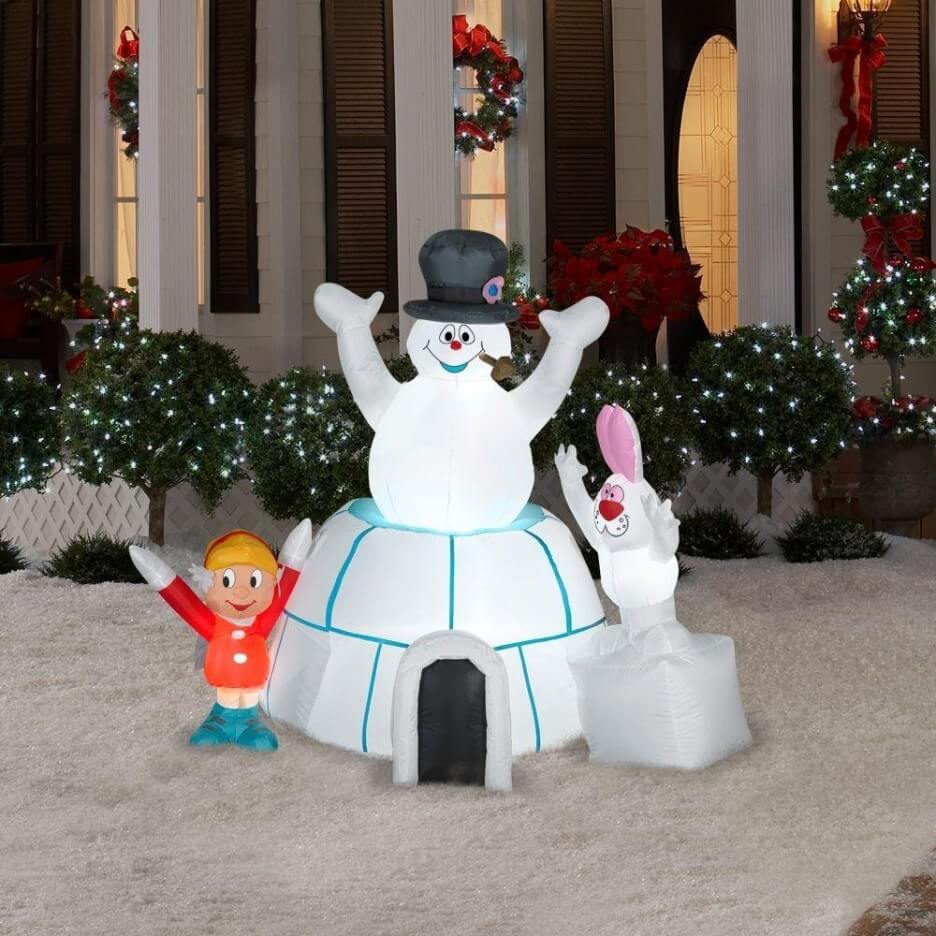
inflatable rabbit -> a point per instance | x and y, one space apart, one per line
650 692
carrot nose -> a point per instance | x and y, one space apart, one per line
610 509
456 345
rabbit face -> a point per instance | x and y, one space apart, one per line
619 514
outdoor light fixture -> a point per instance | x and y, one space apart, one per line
866 15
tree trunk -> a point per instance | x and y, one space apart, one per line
764 494
157 517
893 362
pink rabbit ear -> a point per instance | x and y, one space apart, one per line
620 442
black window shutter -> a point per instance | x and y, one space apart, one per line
40 130
580 201
231 156
360 167
902 84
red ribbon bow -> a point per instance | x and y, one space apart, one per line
902 228
871 52
475 40
129 47
847 53
472 129
872 58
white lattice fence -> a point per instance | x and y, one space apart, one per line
40 522
706 486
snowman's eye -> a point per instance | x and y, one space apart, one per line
228 578
256 578
466 335
448 334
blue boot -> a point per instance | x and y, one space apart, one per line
253 734
220 727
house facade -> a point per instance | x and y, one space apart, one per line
288 142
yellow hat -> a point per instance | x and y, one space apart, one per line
239 548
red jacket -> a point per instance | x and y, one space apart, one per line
237 656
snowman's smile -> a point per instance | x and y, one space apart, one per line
452 368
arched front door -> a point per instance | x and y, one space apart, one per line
687 27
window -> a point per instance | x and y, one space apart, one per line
40 133
481 180
125 170
708 179
125 173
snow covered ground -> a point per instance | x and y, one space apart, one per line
111 823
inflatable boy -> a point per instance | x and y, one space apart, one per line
245 593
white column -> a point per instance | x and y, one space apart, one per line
423 83
281 93
97 143
766 252
167 244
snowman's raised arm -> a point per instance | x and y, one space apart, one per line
349 317
570 333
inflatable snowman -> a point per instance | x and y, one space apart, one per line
650 692
449 540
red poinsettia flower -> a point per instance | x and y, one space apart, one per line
635 272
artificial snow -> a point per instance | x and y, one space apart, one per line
113 824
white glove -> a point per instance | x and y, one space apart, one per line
580 324
296 548
339 308
567 464
158 575
665 525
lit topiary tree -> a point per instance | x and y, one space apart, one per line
308 445
30 437
769 402
157 409
653 396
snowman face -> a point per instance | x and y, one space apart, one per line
619 514
451 350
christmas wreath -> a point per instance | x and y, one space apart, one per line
123 88
497 75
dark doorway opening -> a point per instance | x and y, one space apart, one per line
452 724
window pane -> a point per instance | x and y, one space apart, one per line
125 170
126 241
124 15
485 214
486 12
484 174
200 43
200 104
201 247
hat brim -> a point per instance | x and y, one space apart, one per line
482 313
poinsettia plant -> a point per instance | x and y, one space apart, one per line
638 273
907 417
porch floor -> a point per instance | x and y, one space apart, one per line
112 823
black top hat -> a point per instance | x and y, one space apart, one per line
464 273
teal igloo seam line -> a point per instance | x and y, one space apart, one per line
366 510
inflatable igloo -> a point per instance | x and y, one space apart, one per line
449 540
